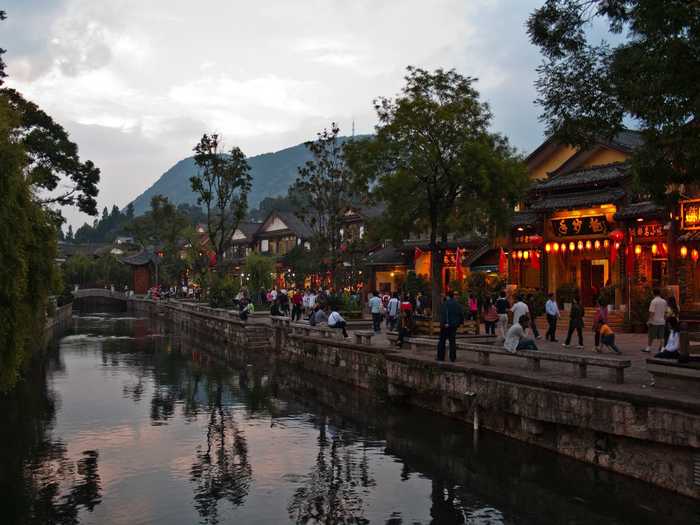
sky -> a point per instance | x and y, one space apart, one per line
136 83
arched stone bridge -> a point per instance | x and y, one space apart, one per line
92 298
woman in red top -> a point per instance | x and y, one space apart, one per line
297 302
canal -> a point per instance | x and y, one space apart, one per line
125 422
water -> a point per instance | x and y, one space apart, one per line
126 423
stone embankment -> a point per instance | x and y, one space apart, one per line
648 434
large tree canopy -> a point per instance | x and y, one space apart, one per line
651 76
436 165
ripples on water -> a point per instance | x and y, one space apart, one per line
125 423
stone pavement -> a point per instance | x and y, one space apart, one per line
637 379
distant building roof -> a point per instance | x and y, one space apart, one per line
524 218
646 209
386 256
597 175
578 200
140 259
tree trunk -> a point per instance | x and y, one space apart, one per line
436 271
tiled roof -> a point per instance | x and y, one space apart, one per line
524 218
639 209
140 259
477 254
387 255
578 200
295 224
628 139
590 176
692 235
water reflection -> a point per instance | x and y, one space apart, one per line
126 423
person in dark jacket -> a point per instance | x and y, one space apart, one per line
575 323
451 317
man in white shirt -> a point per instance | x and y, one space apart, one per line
515 338
392 310
657 320
519 309
552 310
335 320
375 308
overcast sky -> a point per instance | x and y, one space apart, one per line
137 82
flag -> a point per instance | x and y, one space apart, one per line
501 262
535 260
459 273
629 267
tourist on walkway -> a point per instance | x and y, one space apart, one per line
245 308
552 310
530 302
275 309
575 323
375 309
671 349
657 321
297 303
607 338
318 316
502 307
473 308
335 320
516 339
490 317
672 312
519 309
600 318
392 311
451 317
406 323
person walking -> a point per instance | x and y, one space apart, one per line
335 320
600 318
406 324
657 320
502 307
245 308
552 310
490 317
575 323
451 317
473 308
530 302
392 311
519 309
515 338
375 309
297 304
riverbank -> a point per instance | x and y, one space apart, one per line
648 434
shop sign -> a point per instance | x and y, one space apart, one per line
652 230
574 226
690 214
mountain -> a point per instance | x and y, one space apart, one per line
272 174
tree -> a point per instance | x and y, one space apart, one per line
3 75
436 166
54 168
222 184
130 211
259 270
323 192
651 76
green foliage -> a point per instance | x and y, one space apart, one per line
589 89
258 270
607 295
302 262
566 293
415 284
222 185
539 299
639 305
88 271
483 286
222 292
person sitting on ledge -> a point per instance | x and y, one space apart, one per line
318 316
671 349
335 320
515 338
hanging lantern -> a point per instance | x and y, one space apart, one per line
572 246
637 249
580 245
536 240
563 247
588 245
596 245
555 247
664 248
526 255
606 244
694 255
684 251
617 235
654 249
547 247
520 254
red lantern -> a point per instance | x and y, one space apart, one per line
536 240
616 237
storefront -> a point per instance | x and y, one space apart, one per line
688 253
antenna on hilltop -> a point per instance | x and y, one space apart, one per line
353 128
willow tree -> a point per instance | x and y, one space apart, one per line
436 165
222 185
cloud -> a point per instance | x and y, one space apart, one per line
149 78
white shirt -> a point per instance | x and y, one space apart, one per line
335 318
674 342
393 307
375 304
551 308
519 309
513 336
657 308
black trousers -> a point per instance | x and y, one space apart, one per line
552 330
447 333
377 322
579 331
340 325
296 312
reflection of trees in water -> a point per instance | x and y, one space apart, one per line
39 483
221 470
336 484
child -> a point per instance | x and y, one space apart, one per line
607 338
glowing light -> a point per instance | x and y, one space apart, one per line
547 247
684 251
637 249
588 245
526 255
563 247
556 247
639 219
606 243
572 246
596 245
580 245
694 255
654 249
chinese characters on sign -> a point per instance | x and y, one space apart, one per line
690 214
648 231
573 226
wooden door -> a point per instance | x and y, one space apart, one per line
585 284
597 280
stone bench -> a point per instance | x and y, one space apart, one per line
315 331
364 336
416 343
580 363
670 374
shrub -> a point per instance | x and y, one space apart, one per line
639 305
539 299
566 293
222 292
